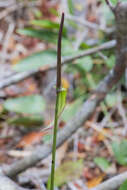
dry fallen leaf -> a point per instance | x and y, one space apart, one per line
101 135
65 83
31 138
95 181
15 60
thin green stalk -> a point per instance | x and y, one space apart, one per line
54 141
58 94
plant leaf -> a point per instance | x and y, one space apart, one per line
68 171
36 60
46 35
45 24
85 63
111 99
70 6
27 104
120 151
102 163
114 1
34 120
123 185
62 100
47 138
71 110
110 62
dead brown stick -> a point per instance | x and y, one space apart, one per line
113 183
8 184
110 5
88 24
17 77
15 7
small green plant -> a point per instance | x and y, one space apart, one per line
120 151
123 185
60 102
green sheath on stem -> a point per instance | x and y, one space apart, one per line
54 141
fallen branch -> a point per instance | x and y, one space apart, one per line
8 184
17 77
110 5
15 7
88 24
113 183
6 3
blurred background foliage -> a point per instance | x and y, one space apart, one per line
86 71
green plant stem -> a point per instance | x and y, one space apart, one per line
58 93
54 141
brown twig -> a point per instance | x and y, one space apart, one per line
15 7
59 54
110 5
112 183
8 184
17 77
121 111
88 24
